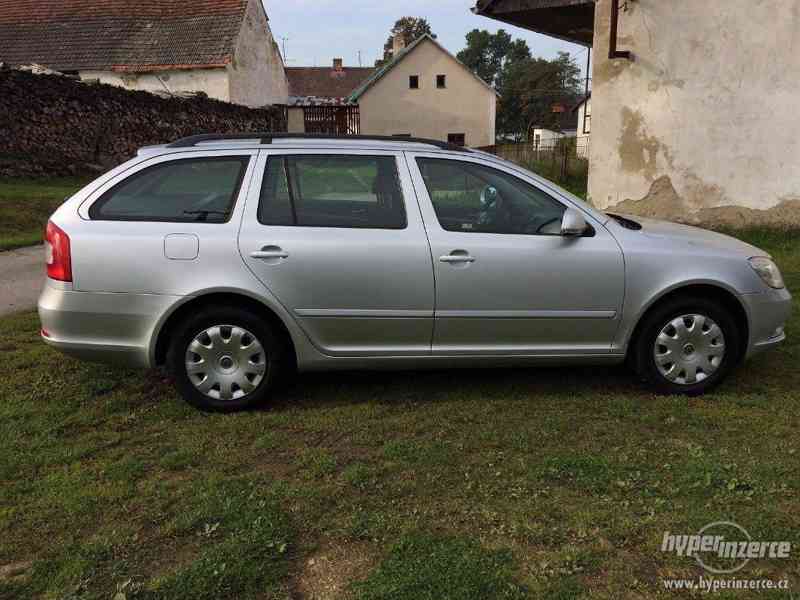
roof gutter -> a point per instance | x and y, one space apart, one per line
612 44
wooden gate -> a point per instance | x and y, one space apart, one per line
332 120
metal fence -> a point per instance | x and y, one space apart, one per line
564 160
332 120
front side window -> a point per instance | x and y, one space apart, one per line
472 198
196 189
332 191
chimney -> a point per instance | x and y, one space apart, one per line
398 44
337 64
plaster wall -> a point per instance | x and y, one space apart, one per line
705 115
465 105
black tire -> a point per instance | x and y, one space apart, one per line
643 357
186 331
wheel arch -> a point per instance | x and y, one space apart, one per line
228 298
715 291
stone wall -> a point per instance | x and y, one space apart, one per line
51 125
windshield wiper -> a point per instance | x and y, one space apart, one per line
625 222
202 215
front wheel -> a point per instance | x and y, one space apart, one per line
687 346
224 359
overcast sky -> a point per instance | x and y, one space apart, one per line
318 30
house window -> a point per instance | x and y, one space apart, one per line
441 81
457 139
587 117
413 82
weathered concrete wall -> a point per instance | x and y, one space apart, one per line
257 76
464 106
704 117
213 82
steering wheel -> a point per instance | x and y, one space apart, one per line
492 209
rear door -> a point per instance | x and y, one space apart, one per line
338 238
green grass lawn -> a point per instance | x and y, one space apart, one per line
26 204
551 483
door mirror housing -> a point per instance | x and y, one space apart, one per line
573 224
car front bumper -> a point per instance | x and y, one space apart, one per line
768 313
100 326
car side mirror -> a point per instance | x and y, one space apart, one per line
573 224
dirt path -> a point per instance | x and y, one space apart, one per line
21 278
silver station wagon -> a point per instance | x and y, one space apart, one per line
234 259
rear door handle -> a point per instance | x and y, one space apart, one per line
270 252
457 258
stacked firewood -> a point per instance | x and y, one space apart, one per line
55 125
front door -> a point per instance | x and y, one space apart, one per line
507 282
337 237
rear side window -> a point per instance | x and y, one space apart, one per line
194 189
332 191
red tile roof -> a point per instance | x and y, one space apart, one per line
326 82
126 35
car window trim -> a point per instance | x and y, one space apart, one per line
244 161
284 158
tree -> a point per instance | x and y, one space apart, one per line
530 88
411 28
486 54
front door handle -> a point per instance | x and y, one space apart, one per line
268 252
457 256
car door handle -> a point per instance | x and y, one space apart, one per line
457 258
269 252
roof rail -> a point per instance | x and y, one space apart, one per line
266 138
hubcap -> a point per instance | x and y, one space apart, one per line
226 362
689 349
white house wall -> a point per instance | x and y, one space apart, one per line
214 82
257 75
465 106
706 114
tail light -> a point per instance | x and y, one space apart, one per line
59 259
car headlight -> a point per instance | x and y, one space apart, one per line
768 271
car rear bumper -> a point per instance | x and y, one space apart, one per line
99 326
768 313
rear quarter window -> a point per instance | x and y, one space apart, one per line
182 190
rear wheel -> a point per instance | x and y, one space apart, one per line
224 359
686 346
